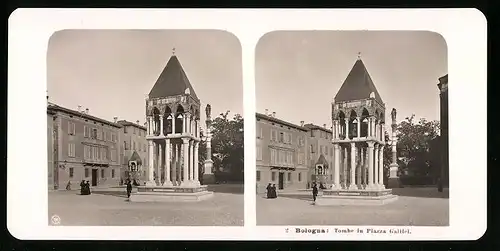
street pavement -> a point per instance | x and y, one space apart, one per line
415 206
109 207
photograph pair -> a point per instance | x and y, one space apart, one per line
291 133
146 127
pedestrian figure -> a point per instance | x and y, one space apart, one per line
87 186
68 186
321 186
269 192
315 192
274 192
129 188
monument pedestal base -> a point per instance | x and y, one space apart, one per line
208 178
393 183
185 193
356 197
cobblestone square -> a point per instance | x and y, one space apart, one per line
111 208
415 206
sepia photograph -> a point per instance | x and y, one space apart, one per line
352 128
145 128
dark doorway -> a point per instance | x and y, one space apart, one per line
281 180
94 177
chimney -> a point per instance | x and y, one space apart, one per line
274 114
79 108
265 113
86 110
324 126
302 123
137 121
115 119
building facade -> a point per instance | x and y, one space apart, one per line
50 149
281 153
133 151
82 147
320 157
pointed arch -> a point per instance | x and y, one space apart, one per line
353 126
364 122
156 120
342 127
179 118
167 120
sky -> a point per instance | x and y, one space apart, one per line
112 71
298 73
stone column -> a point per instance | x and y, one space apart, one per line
173 123
191 161
369 129
196 129
174 164
336 166
381 168
346 128
359 126
161 125
352 185
393 167
209 146
374 128
168 160
344 162
149 125
183 123
359 154
196 164
178 159
380 132
375 164
336 129
188 123
150 181
159 164
370 165
185 179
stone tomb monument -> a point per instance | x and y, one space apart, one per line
358 115
173 135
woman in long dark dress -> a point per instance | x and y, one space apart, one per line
268 191
87 187
82 187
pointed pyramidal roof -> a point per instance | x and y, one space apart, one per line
358 85
322 161
135 157
172 81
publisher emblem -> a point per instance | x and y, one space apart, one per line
55 220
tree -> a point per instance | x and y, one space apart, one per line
414 143
227 144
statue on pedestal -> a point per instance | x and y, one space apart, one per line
208 111
393 167
208 176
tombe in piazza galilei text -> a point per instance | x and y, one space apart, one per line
352 231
